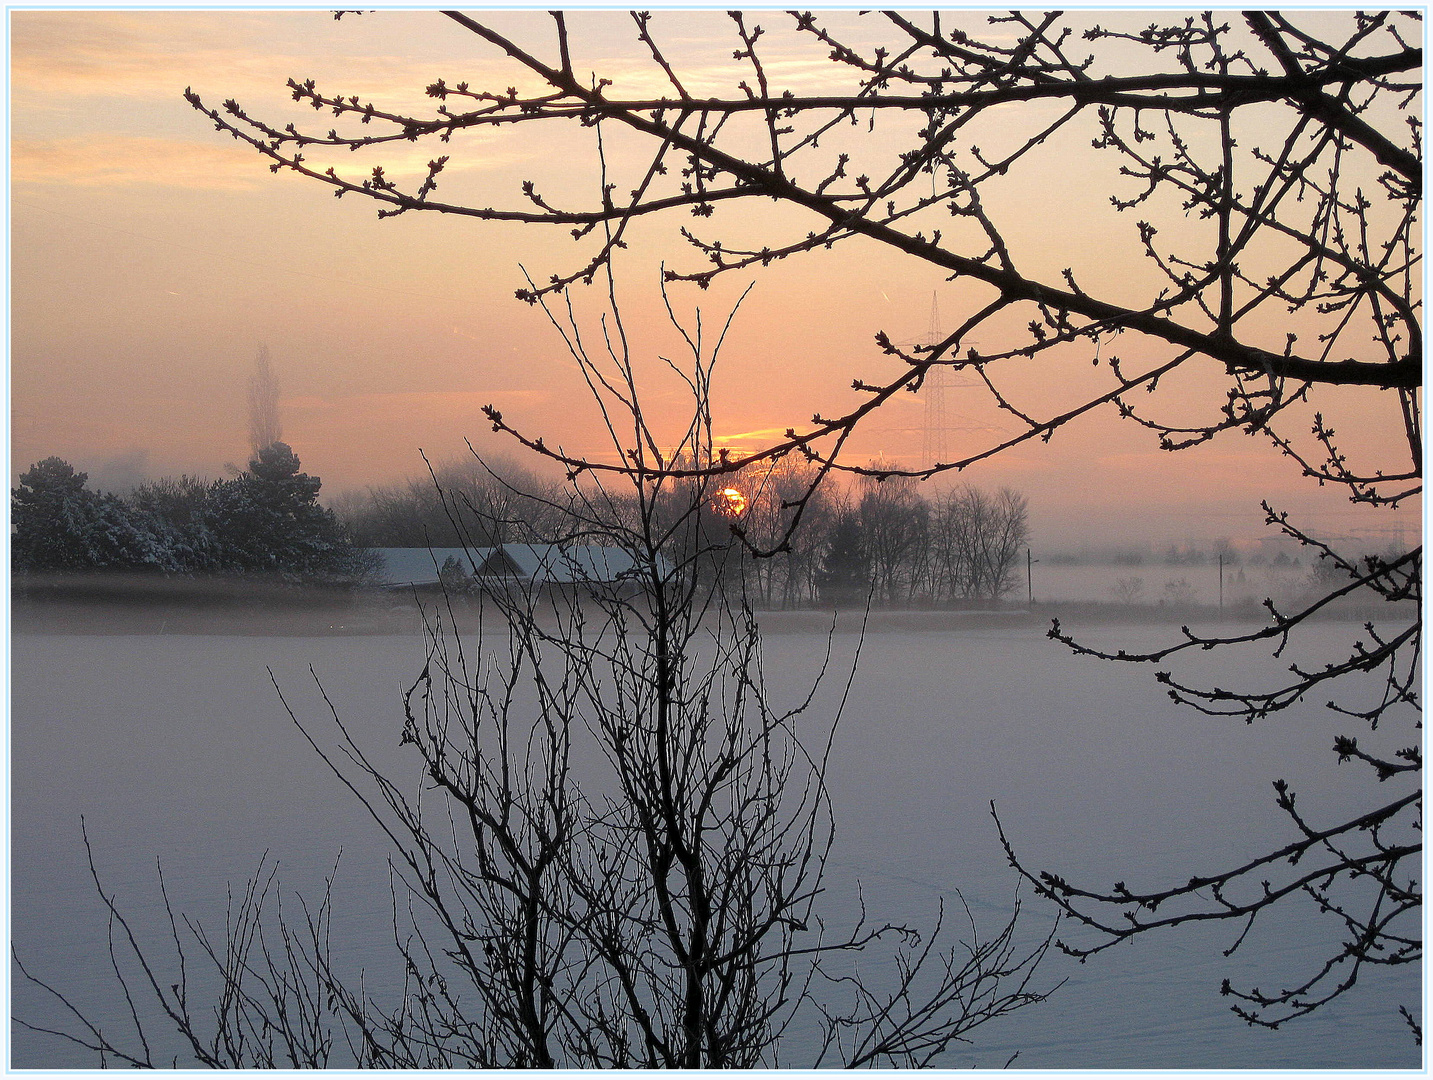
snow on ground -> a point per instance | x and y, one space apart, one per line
176 748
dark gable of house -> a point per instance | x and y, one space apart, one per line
498 563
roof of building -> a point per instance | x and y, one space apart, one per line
552 564
420 565
540 563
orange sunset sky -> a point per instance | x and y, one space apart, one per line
152 256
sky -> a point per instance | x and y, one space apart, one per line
152 257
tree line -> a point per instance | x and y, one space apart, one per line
882 539
267 520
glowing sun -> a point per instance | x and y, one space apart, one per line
730 501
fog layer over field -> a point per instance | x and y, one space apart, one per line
176 748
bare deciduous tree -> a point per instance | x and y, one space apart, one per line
616 853
978 539
488 502
895 527
787 576
1128 590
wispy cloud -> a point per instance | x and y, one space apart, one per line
127 161
60 56
215 164
57 56
758 435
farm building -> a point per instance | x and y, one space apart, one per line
537 564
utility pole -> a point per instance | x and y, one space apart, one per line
1221 583
1030 582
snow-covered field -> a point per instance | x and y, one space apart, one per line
176 748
